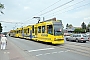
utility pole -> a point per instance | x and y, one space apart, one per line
43 18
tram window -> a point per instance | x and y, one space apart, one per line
49 29
24 30
19 31
33 29
43 29
39 29
16 32
28 30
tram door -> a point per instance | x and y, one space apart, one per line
35 30
30 34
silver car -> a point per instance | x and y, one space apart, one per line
78 38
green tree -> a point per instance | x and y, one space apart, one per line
83 25
77 30
1 7
0 28
88 27
70 26
67 26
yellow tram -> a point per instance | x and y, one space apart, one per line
47 31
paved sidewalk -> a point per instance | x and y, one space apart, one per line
10 53
13 52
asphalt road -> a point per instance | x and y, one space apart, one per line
42 51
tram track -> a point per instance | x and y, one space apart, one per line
77 48
77 44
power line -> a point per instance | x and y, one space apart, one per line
10 22
56 7
73 8
68 7
45 8
50 5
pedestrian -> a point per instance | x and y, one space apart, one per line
3 42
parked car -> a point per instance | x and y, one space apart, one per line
78 38
88 33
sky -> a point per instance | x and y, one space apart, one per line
18 13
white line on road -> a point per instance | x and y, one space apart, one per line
39 54
53 53
40 49
6 52
46 53
67 50
60 51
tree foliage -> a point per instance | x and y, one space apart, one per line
83 25
79 30
70 25
0 28
1 7
88 27
67 25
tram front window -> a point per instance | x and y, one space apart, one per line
58 29
50 29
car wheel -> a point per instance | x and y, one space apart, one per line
67 39
84 41
77 40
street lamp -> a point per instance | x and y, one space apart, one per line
37 18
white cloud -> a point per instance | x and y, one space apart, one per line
26 7
87 18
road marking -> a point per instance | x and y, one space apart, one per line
53 53
60 51
39 54
6 52
46 53
41 49
67 50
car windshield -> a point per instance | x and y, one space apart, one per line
78 35
84 35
